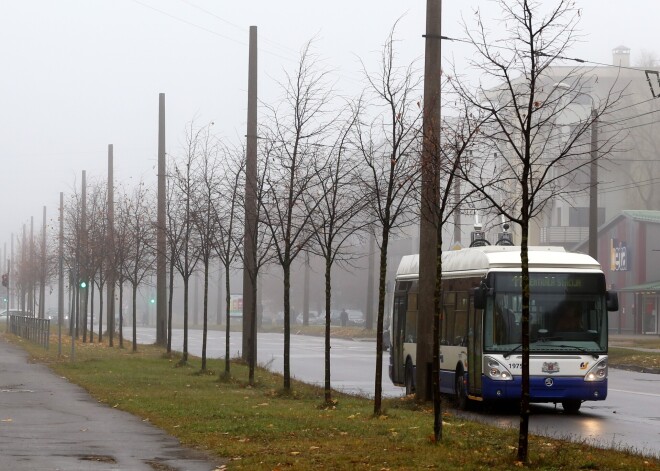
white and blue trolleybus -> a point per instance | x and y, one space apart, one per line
480 335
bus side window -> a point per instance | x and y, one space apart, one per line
448 318
460 318
410 335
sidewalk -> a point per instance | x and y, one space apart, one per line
47 423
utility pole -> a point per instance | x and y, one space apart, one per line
60 281
369 315
457 211
83 281
111 268
593 187
430 193
161 267
250 236
306 291
31 271
9 270
42 275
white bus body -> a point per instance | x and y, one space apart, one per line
480 349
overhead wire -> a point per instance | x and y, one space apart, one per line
215 33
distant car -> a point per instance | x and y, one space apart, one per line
313 319
355 318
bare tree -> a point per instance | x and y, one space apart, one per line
97 248
136 214
297 124
536 154
203 210
389 146
121 247
227 238
338 210
175 230
188 251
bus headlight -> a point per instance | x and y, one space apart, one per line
496 370
598 372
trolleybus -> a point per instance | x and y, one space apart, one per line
480 335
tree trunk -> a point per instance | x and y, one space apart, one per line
523 437
134 317
328 294
228 321
184 357
435 380
205 313
169 309
287 326
121 314
378 391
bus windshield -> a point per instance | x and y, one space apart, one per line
567 314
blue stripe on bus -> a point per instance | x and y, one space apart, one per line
561 389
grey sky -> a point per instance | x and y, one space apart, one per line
79 75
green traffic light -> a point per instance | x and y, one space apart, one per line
83 284
152 301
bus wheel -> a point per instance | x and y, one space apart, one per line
410 387
461 397
572 406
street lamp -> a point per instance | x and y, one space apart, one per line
593 172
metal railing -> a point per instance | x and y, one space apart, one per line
31 328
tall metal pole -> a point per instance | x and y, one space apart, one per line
82 275
60 283
31 300
161 262
457 211
250 236
11 283
306 291
111 269
593 188
369 318
429 202
21 304
42 277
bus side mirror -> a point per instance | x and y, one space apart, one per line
480 293
612 300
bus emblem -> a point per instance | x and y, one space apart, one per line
550 367
549 382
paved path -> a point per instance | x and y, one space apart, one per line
47 423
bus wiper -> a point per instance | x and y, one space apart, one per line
583 350
508 354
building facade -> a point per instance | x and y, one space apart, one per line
629 252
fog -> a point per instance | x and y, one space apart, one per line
78 76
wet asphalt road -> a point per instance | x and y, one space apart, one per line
47 423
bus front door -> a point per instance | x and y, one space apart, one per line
398 333
475 350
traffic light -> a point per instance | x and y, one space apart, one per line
152 301
5 279
83 284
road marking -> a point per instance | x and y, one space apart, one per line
635 392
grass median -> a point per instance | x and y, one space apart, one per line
263 427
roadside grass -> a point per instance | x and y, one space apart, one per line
636 360
350 332
264 427
635 342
